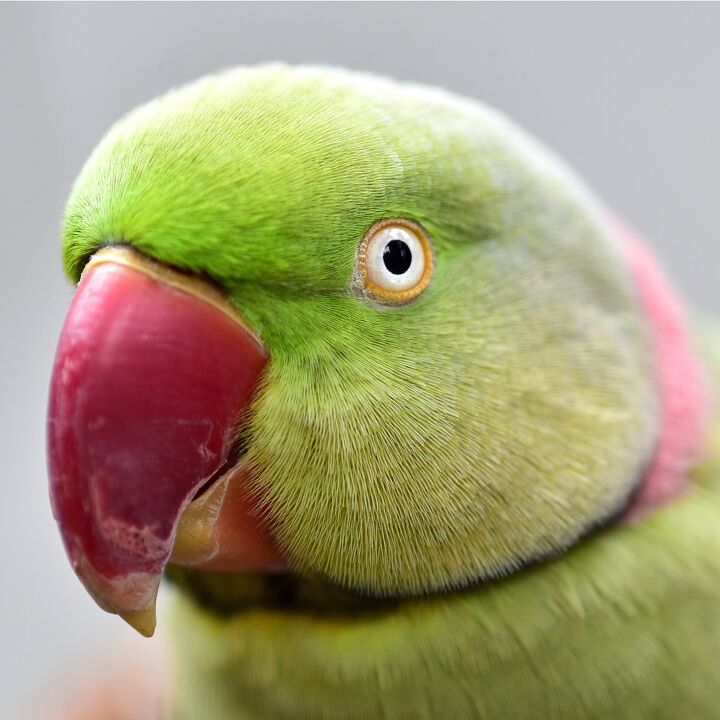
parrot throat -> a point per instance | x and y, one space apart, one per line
681 384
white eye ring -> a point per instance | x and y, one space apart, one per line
395 261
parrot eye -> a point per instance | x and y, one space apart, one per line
395 261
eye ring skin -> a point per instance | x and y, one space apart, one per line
385 296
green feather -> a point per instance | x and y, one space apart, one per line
626 625
406 451
492 421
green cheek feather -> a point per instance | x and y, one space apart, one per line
408 455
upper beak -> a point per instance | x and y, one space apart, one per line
152 380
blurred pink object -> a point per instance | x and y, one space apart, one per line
684 396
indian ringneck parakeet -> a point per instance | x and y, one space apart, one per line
417 427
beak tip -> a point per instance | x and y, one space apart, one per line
144 621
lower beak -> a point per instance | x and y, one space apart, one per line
152 381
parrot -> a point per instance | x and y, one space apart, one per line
412 423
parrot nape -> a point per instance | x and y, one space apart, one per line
415 425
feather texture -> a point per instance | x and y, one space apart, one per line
409 452
491 422
626 625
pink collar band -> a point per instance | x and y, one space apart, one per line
681 382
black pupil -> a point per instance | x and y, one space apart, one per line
397 257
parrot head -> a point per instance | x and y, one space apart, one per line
340 327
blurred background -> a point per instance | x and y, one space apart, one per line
629 94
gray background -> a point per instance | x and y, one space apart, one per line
629 94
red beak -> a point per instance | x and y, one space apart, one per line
153 376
